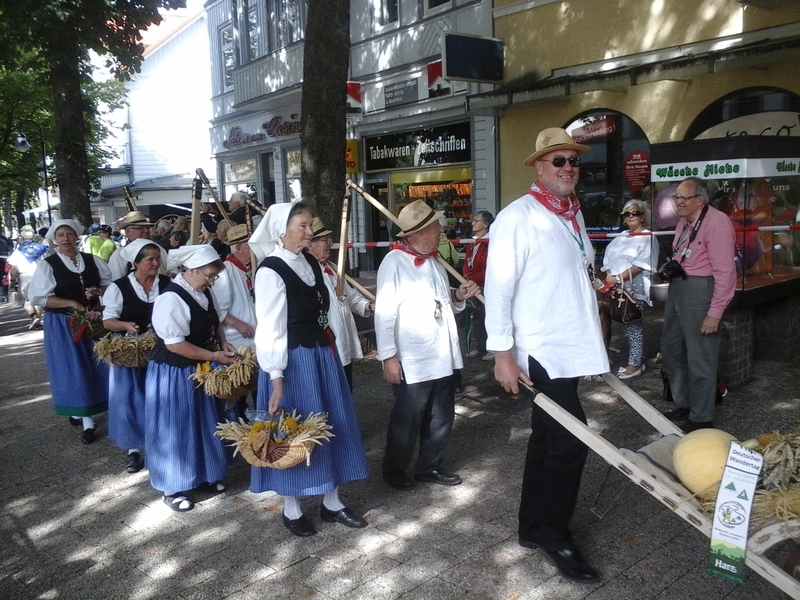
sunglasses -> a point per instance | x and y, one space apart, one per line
560 161
632 213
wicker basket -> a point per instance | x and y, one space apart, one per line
239 391
86 325
121 351
266 452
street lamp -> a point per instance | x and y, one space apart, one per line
21 144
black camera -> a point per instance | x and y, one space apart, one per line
670 270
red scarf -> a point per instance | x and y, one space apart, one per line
566 208
419 257
326 269
232 259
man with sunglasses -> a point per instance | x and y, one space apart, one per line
704 246
544 329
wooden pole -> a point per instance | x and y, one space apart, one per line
194 224
202 175
372 200
342 245
129 199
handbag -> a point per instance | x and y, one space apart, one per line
622 306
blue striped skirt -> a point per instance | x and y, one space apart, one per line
126 406
180 421
315 382
78 380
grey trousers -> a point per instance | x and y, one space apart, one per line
689 358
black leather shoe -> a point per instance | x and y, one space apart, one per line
75 422
688 426
134 462
677 414
87 437
440 477
301 527
344 516
398 480
569 562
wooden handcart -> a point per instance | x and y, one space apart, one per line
658 482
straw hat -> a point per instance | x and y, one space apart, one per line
237 234
551 139
416 216
135 217
319 229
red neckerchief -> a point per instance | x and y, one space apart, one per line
326 269
419 257
232 259
566 208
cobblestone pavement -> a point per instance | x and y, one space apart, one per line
74 525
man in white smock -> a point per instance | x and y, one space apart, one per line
544 329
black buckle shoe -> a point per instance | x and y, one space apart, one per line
344 516
569 562
134 462
440 477
87 437
301 527
677 414
398 480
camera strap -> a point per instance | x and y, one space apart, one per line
692 235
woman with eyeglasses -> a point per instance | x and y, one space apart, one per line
183 454
627 262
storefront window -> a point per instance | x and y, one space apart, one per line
449 190
293 189
241 175
616 169
758 111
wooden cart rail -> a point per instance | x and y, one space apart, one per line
666 489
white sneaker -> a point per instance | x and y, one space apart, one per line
489 356
472 353
35 322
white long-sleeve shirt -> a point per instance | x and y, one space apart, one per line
340 316
231 296
43 283
405 324
272 345
539 300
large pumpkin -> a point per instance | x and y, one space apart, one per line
699 459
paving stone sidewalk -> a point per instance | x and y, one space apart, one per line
74 525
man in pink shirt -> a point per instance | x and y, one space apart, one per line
700 289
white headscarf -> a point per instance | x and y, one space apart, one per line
132 249
271 229
192 257
74 225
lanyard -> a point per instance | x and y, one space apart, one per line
692 235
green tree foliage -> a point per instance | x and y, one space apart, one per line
323 121
57 36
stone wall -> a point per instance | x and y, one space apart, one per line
776 329
736 347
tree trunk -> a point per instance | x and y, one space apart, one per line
71 160
323 124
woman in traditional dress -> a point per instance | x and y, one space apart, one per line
128 308
66 283
183 453
301 370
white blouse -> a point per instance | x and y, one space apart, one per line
172 316
43 283
112 298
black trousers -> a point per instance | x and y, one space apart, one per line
425 410
553 466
